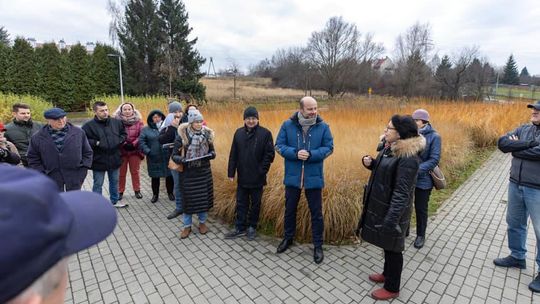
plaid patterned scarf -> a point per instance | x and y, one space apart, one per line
58 136
199 144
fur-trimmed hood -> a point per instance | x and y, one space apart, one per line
118 113
408 147
182 131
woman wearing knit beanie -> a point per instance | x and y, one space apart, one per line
388 199
424 184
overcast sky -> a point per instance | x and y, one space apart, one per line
248 31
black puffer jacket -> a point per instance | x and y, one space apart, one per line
252 153
105 137
388 197
196 184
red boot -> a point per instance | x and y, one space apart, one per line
376 277
383 294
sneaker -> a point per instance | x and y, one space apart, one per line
235 234
534 286
383 294
251 233
174 214
510 261
120 205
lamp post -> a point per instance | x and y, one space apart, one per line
120 69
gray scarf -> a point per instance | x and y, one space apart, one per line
306 122
199 144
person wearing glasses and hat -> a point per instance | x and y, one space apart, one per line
61 151
40 230
523 191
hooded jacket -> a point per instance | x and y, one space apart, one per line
388 196
318 141
430 157
157 158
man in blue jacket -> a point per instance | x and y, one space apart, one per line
523 191
304 141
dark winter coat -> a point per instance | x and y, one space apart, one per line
66 167
525 168
19 133
252 153
157 158
167 136
318 142
389 194
105 137
196 184
132 132
430 157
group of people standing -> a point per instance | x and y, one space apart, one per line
111 145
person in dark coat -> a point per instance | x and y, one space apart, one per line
61 151
388 199
430 158
8 151
304 141
194 148
105 135
523 193
157 157
167 137
130 152
252 153
21 129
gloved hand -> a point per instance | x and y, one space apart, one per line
3 153
212 155
179 159
129 147
391 229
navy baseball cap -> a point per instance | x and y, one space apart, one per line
39 226
54 113
534 105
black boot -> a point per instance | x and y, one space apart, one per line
154 199
318 255
138 194
171 196
419 242
284 245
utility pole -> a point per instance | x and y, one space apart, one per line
120 69
211 66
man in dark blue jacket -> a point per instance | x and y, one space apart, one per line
304 141
523 191
61 151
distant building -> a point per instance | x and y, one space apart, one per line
384 65
61 45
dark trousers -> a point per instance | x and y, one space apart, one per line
169 184
393 265
246 216
314 198
421 200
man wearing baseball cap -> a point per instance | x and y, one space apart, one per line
40 229
523 192
61 151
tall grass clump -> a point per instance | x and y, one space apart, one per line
37 104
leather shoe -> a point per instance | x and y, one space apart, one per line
534 286
185 233
419 242
174 214
284 245
510 261
154 199
138 194
318 255
171 196
376 277
383 294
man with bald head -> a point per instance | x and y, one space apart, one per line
304 141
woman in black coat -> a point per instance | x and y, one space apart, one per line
194 148
388 199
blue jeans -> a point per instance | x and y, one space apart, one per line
177 195
114 177
522 202
188 218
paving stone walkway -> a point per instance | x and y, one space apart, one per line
145 261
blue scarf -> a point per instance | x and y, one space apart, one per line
58 136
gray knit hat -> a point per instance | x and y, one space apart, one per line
194 115
175 106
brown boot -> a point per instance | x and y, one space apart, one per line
185 233
203 229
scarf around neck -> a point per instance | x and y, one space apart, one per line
306 122
198 145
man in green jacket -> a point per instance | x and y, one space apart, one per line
21 129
